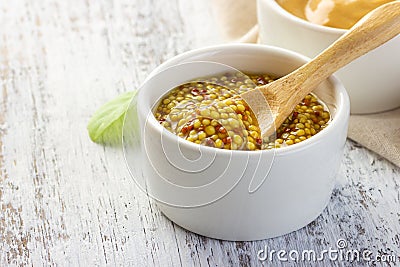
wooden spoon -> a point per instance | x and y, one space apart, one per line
282 95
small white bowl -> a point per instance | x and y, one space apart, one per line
372 81
208 191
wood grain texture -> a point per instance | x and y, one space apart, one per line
67 201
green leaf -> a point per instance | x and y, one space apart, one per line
105 126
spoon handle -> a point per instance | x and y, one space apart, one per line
374 29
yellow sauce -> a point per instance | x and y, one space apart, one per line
332 13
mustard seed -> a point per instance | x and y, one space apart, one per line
212 113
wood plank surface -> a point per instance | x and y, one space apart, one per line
66 201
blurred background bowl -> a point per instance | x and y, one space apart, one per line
372 81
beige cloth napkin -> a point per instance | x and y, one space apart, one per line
378 132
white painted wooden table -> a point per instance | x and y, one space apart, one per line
67 201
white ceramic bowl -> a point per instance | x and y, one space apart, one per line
206 190
372 81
